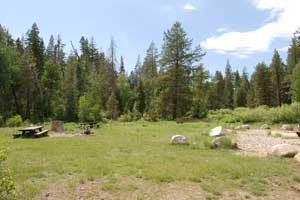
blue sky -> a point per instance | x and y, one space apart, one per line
243 31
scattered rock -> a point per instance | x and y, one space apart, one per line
224 142
245 126
265 127
297 157
218 131
287 127
284 150
179 139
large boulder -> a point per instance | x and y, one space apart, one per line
57 126
297 157
179 139
265 127
287 127
284 150
218 131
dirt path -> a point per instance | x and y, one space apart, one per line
260 142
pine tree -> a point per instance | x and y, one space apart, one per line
262 85
295 84
200 89
177 60
149 74
52 84
36 45
112 111
122 67
228 88
241 90
277 77
216 92
70 90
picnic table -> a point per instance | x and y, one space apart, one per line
33 131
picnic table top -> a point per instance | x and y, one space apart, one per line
32 128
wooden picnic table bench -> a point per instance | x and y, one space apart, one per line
33 131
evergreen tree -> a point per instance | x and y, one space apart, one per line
177 61
70 90
112 111
36 45
277 77
149 74
122 67
295 84
228 87
262 85
216 92
52 85
200 89
241 90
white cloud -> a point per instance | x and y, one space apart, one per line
189 7
284 15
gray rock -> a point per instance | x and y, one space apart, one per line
218 131
245 126
287 127
224 142
265 127
179 139
284 150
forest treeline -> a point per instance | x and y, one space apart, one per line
41 82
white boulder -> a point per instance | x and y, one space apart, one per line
284 150
218 131
179 139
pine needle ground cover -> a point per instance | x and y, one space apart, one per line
139 150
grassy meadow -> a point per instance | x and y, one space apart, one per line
140 150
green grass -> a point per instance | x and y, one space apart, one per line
137 149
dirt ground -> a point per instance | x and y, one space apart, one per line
147 190
259 142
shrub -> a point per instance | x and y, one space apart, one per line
14 121
127 117
151 117
7 186
199 109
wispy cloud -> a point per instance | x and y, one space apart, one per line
221 29
189 7
283 15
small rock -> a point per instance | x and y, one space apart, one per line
287 127
284 150
245 126
297 157
224 142
179 139
218 131
265 127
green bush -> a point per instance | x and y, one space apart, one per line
7 186
14 121
284 114
127 117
